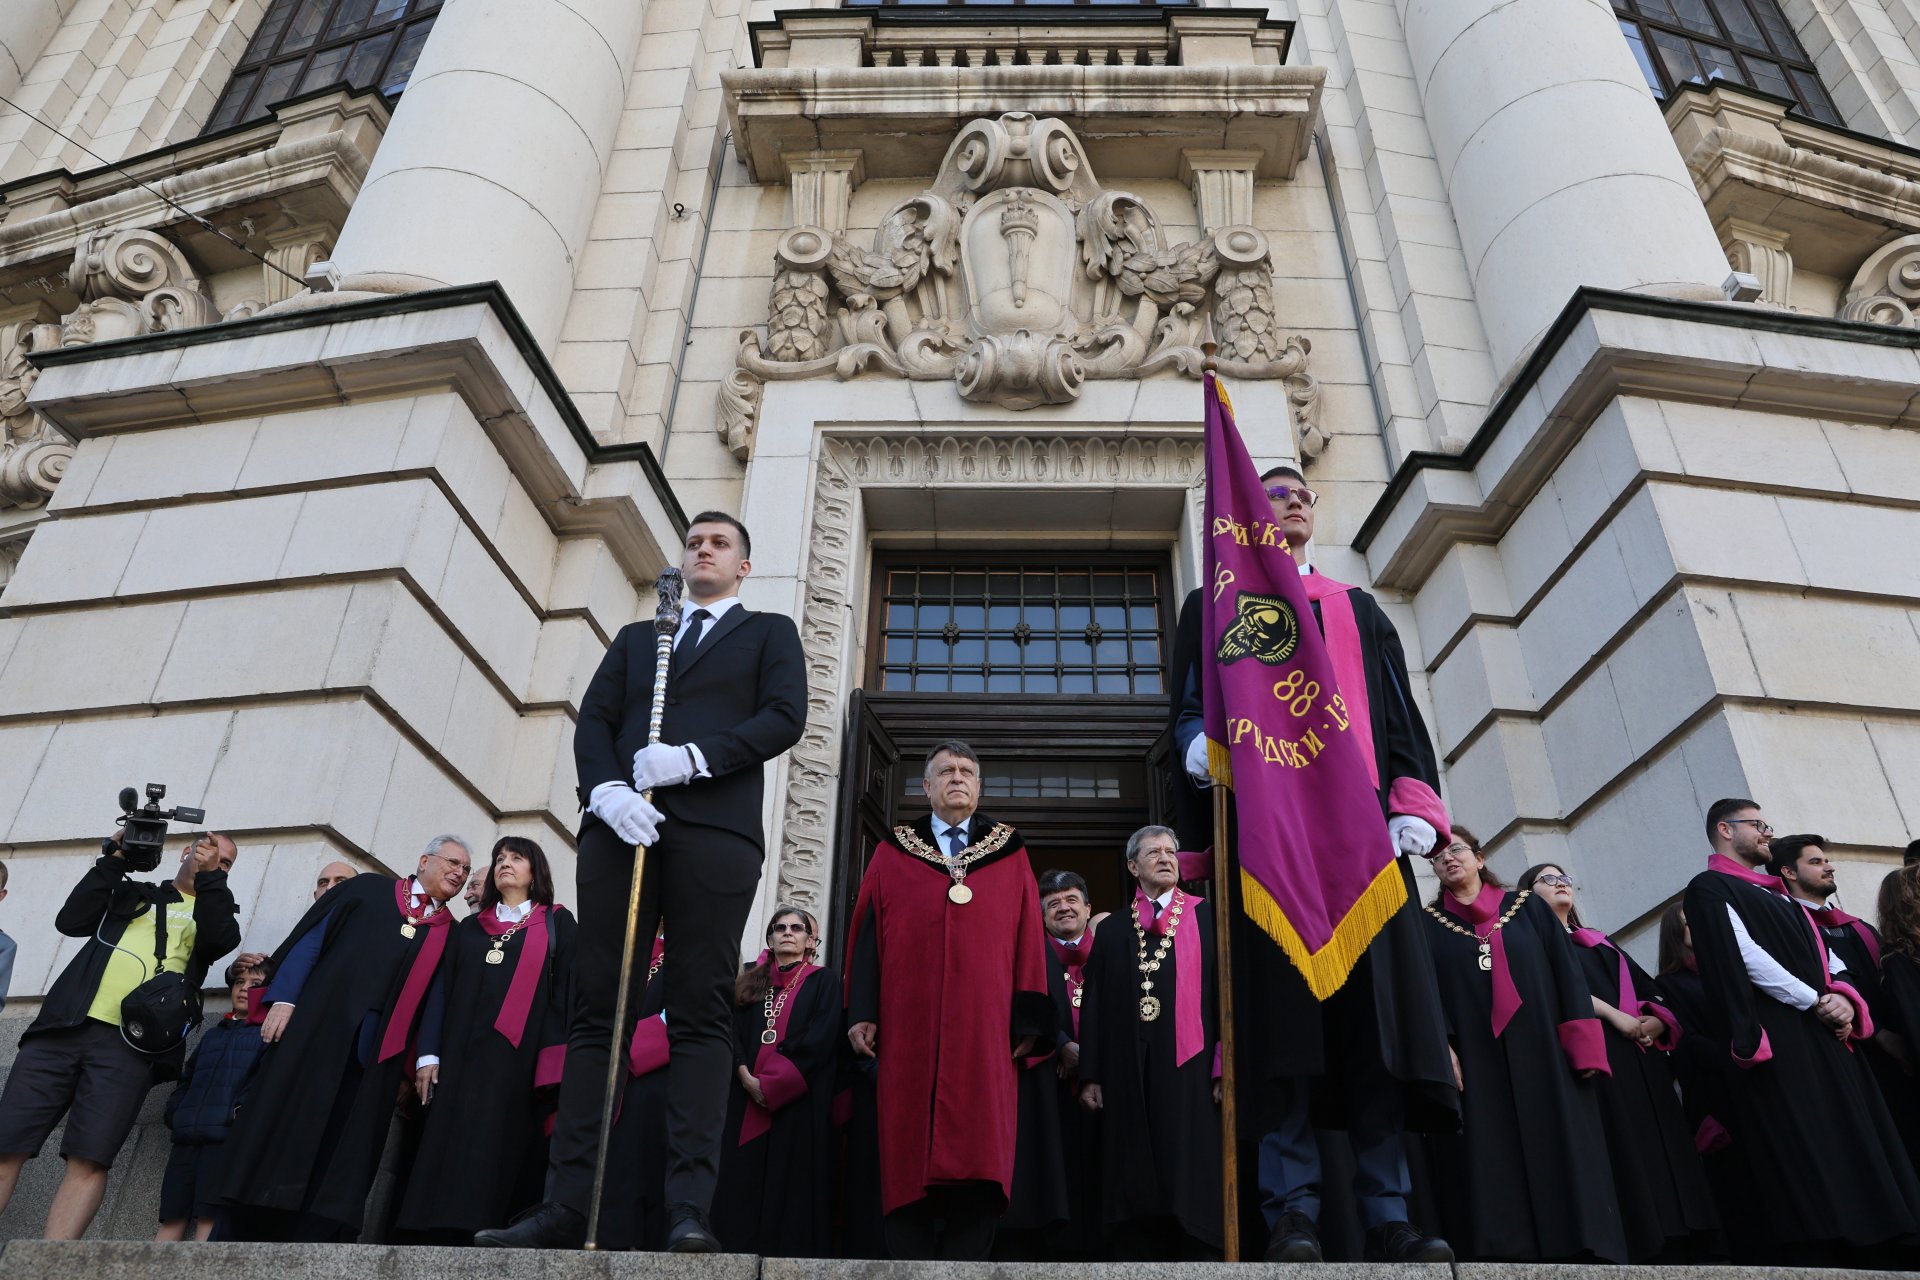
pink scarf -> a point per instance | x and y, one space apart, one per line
1481 913
1349 663
1189 1027
512 1020
1835 916
1628 1001
1074 959
780 1081
425 961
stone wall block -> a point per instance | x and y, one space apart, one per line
478 739
88 760
1833 650
204 545
234 646
1586 738
485 609
1502 777
152 466
587 578
72 661
1768 448
318 444
1821 772
1624 849
1578 615
1660 674
1852 546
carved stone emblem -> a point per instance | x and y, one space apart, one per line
129 283
1886 288
1019 277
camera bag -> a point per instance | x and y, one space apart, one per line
159 1014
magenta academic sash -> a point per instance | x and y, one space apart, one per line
1317 869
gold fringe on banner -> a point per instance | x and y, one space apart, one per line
1327 969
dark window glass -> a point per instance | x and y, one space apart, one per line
1745 42
1065 629
304 45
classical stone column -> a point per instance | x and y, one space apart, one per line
1558 164
492 166
25 28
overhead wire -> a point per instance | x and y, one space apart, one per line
185 212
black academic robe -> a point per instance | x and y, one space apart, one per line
1284 1032
633 1208
1863 973
488 1086
775 1193
1083 1239
308 1138
1807 1115
1037 1201
1666 1206
1158 1120
1530 1167
1702 1068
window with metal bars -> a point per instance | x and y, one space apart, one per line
1746 42
303 45
1006 628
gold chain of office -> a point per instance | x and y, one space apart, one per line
1486 943
1149 1002
956 866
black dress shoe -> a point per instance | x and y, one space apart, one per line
688 1232
545 1226
1294 1239
1400 1242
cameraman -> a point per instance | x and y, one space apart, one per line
73 1059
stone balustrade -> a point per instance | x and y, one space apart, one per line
1151 38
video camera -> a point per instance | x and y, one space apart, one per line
146 825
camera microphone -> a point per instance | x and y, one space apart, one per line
129 799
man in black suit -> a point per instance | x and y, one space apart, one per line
736 698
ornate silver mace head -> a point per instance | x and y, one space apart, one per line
666 614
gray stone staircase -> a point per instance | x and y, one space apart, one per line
127 1260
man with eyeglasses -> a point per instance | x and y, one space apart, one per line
1373 1058
348 987
1790 1024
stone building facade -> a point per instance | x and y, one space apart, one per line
361 361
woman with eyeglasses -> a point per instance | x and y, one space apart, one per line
775 1193
491 1045
1665 1203
1531 1167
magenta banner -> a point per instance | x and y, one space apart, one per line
1317 868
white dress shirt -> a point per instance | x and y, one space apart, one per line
718 610
1767 973
512 915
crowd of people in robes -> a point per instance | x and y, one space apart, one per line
999 1072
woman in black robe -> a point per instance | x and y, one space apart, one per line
775 1192
491 1045
1150 1069
1666 1205
1701 1065
1899 1012
1532 1156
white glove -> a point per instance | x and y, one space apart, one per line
1412 835
660 765
1196 761
626 811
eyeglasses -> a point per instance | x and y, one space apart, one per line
1286 493
453 862
1550 878
789 928
1758 824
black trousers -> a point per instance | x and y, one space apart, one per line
701 881
948 1224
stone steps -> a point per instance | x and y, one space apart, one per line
129 1260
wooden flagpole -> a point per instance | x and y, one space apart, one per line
1223 920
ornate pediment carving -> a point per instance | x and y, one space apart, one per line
129 283
1886 288
1019 277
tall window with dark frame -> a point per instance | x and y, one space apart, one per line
303 45
1021 629
1746 42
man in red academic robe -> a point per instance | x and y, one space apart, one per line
946 990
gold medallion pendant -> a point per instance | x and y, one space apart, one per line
407 930
1149 1008
959 895
769 1036
496 956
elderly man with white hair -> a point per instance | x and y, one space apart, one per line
348 986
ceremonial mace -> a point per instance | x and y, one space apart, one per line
1223 922
666 622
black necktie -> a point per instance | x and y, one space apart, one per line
691 639
957 840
